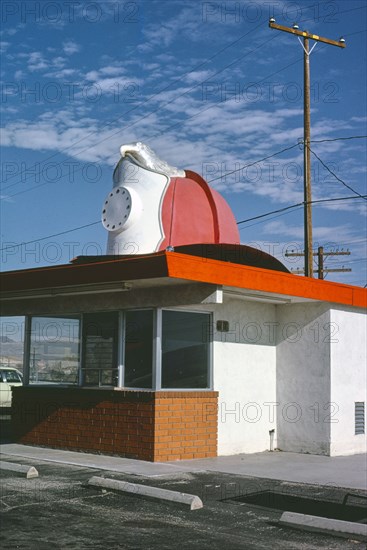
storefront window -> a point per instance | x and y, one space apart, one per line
85 350
12 342
185 349
54 350
139 349
100 334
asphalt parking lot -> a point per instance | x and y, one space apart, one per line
57 511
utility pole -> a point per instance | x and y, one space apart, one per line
307 130
320 262
321 270
307 196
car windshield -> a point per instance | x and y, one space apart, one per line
11 376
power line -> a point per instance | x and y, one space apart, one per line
165 130
160 133
299 204
305 43
167 103
51 236
219 102
352 261
335 176
282 151
176 80
253 163
278 153
340 199
338 13
246 166
159 92
352 242
336 139
321 257
195 86
272 217
142 103
356 32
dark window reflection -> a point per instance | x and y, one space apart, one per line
139 349
185 349
100 331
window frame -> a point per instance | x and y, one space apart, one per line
20 364
123 338
27 349
210 349
120 352
82 345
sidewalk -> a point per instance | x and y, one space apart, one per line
343 471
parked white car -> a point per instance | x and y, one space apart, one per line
8 377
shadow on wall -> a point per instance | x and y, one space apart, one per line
144 425
96 420
6 432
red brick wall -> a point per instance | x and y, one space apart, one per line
185 425
155 426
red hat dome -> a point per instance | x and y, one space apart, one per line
193 213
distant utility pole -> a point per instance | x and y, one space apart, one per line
321 270
307 130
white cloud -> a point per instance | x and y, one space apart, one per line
186 22
70 47
165 57
11 31
107 71
6 198
361 119
36 61
92 75
19 75
111 70
58 62
326 234
61 74
4 46
197 76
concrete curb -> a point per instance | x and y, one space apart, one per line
191 501
334 527
29 471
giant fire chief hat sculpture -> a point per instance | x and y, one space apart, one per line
154 206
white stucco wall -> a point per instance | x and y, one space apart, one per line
295 368
303 378
348 379
244 374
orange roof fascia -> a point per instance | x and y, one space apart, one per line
183 266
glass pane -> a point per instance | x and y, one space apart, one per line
12 342
185 349
100 349
139 349
54 350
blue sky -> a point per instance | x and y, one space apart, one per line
210 88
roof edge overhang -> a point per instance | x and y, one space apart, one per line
120 269
181 267
218 272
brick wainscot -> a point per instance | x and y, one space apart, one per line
145 425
